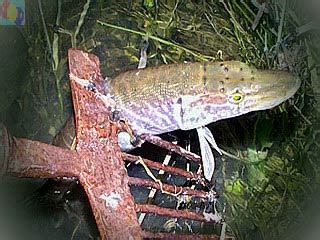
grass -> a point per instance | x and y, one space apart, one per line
266 192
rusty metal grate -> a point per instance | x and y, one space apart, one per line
100 166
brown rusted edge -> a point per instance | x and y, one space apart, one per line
173 236
167 187
148 208
160 166
171 147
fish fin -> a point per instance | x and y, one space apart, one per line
208 135
208 162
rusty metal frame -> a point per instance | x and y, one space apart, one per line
98 162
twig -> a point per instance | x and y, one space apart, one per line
301 114
258 16
81 21
75 230
230 155
150 174
216 30
153 191
223 231
44 27
55 43
56 61
281 21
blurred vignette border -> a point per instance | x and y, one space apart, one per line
12 12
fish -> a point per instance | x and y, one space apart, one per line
187 96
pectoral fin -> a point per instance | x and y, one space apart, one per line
209 137
208 163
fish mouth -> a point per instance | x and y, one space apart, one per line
275 87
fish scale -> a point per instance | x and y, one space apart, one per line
185 96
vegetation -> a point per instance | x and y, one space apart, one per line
273 171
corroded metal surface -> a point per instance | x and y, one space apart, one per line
148 208
171 147
160 166
171 236
167 187
97 161
103 174
35 159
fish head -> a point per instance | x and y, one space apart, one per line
245 89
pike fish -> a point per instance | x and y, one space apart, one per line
188 96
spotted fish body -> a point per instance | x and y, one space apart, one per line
190 95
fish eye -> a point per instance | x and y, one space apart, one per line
237 97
